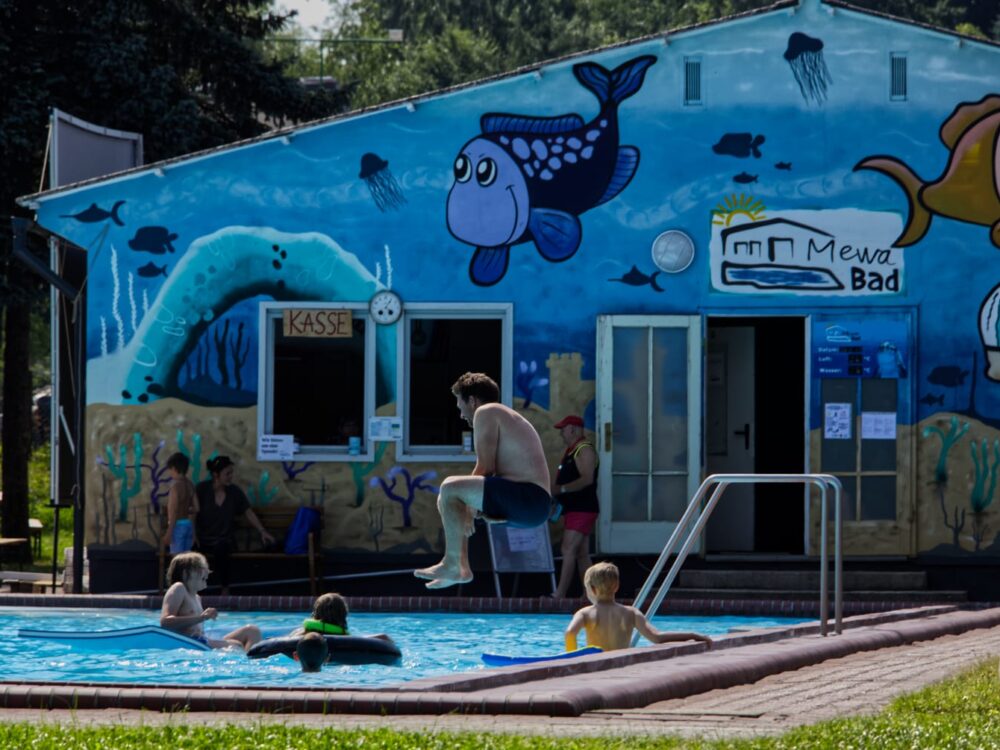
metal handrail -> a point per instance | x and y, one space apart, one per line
822 481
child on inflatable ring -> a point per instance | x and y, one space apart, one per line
329 617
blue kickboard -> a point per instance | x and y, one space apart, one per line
149 637
498 660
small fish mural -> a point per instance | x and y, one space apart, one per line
95 214
740 145
948 376
382 186
635 277
969 188
528 179
785 165
804 55
151 271
745 179
930 399
156 240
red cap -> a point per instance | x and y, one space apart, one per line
572 419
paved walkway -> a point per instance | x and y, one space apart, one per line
859 683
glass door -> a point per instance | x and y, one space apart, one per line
649 427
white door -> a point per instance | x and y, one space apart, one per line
649 427
729 434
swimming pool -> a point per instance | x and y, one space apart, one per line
433 644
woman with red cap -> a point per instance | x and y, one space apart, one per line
575 489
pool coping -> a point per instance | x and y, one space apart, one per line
628 679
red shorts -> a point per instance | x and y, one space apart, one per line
581 522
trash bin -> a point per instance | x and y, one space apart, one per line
130 566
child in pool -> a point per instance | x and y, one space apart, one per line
312 652
182 611
609 625
329 617
182 506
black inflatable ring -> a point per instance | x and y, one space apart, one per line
344 649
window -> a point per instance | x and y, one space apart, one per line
865 462
897 65
440 343
317 378
692 82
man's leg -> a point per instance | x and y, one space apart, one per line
458 500
570 551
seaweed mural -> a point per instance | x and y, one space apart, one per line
161 486
981 496
413 484
119 469
360 469
214 371
527 380
292 469
376 523
261 494
948 440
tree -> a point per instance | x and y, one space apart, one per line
187 74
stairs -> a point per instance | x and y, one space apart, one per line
785 584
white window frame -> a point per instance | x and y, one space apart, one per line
502 311
268 312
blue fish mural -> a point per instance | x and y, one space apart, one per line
528 179
95 213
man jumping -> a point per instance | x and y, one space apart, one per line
510 483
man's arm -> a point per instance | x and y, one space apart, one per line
172 602
486 433
255 522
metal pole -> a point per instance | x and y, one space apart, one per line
54 504
824 590
80 504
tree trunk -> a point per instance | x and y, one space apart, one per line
17 417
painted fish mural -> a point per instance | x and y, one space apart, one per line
156 240
95 213
528 179
635 277
969 188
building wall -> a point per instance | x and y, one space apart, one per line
802 186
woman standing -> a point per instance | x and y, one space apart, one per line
575 489
219 504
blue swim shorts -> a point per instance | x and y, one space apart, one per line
183 536
520 504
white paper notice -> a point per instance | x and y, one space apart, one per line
878 425
837 422
522 540
386 429
275 447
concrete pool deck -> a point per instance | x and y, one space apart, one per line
643 682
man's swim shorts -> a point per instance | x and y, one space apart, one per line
519 504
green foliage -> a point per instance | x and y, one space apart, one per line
948 439
959 713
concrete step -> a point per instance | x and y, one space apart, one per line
805 580
920 595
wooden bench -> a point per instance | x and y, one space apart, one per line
277 521
35 532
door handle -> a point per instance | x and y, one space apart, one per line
607 436
745 432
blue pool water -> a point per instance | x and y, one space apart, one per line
433 644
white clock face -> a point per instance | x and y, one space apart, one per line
385 307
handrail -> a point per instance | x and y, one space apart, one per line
822 481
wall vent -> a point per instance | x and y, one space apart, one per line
897 89
692 82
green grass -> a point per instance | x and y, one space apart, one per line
963 712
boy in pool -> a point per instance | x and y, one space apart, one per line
329 617
312 652
182 611
609 625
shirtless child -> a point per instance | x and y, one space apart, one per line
182 506
609 625
510 483
182 611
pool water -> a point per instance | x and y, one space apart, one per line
433 644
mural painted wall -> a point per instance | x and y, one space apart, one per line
759 163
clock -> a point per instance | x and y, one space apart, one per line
385 307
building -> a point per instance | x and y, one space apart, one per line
767 243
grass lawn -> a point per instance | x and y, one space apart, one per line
963 712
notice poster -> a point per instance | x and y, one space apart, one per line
837 421
878 425
276 447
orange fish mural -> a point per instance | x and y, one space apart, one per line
969 189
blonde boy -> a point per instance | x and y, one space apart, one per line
182 611
609 625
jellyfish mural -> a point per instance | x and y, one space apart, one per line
805 56
989 332
381 184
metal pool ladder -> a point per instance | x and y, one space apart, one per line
720 483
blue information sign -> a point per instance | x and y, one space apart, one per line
845 348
